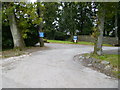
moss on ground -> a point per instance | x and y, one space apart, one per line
112 58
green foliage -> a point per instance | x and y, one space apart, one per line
60 36
111 9
25 24
7 41
113 59
59 19
95 32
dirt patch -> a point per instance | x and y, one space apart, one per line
37 48
28 50
96 64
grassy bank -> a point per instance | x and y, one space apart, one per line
81 42
112 58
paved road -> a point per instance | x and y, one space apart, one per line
55 68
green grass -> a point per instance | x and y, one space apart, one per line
81 42
113 59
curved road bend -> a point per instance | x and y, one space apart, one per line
55 68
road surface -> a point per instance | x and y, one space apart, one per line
55 68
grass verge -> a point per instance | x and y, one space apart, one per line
112 58
81 42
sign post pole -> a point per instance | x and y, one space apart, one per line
41 35
75 39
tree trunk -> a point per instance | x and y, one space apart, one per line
17 37
71 36
116 20
99 39
40 25
40 38
1 26
81 22
41 42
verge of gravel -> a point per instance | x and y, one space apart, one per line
9 62
96 64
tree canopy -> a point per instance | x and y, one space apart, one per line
58 20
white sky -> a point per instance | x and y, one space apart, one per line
33 1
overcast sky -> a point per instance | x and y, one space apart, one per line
33 0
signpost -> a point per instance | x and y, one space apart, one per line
41 34
75 38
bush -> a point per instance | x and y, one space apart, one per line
60 36
56 35
7 41
32 37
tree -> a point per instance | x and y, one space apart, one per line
40 25
75 18
116 20
51 15
16 34
118 24
68 18
27 20
99 38
84 24
0 24
105 10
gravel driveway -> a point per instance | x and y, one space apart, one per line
55 68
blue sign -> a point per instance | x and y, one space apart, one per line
41 34
75 37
